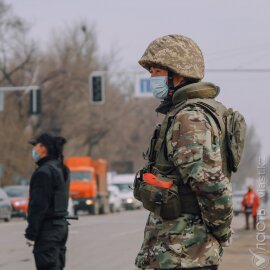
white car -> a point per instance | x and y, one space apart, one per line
125 182
5 206
115 200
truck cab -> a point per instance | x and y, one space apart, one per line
88 184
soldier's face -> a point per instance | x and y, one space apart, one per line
158 72
162 72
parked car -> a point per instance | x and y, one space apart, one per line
19 197
5 206
124 182
237 198
115 200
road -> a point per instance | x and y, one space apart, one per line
95 242
109 243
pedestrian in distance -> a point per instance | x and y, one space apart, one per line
250 204
47 230
186 182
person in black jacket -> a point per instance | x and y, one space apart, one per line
47 229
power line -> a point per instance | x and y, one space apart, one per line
238 70
252 56
239 50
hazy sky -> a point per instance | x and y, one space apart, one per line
231 33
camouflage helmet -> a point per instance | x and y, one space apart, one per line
177 53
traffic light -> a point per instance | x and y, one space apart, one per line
96 81
35 101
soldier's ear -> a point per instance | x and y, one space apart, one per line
177 80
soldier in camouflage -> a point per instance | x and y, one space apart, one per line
190 149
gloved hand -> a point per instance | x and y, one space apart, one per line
30 243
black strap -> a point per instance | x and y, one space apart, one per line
170 84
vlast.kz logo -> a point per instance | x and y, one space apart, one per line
260 259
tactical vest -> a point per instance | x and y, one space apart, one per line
164 166
61 190
171 202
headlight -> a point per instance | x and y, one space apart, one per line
130 200
89 202
20 203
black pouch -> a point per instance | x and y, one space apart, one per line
137 184
150 154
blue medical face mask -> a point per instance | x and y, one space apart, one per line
159 86
36 157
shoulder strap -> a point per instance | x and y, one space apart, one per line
164 125
217 112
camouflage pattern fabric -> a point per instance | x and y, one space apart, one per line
196 152
192 241
177 53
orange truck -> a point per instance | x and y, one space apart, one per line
88 185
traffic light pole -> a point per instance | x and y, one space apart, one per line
19 88
35 96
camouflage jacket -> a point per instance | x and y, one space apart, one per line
190 240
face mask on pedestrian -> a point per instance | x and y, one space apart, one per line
35 155
159 87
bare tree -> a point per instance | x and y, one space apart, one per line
17 57
92 129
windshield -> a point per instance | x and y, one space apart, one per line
17 192
125 187
80 176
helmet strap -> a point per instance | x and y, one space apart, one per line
170 84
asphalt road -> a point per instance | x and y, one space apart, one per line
95 242
109 242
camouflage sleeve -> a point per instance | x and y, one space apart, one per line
196 152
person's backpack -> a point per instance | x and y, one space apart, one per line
235 135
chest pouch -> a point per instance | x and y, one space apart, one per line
159 195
